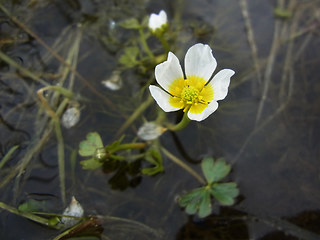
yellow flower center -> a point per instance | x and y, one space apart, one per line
190 94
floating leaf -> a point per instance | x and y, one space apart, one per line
89 146
205 205
188 197
214 171
225 193
131 23
91 164
155 158
198 200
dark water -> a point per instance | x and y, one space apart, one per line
275 159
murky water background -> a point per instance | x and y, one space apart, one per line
273 144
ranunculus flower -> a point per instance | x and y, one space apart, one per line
196 94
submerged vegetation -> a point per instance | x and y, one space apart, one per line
82 115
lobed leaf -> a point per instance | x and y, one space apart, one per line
91 164
88 147
205 205
197 201
214 171
225 193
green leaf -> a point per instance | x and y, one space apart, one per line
225 193
91 164
129 57
205 205
131 23
32 206
88 147
155 158
192 207
189 197
197 201
214 171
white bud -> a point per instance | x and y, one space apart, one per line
113 83
156 21
70 117
150 131
73 210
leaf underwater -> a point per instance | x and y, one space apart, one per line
88 147
225 193
214 171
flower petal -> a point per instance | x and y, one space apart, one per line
162 98
163 16
205 113
168 71
220 84
157 20
199 61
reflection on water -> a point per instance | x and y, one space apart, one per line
267 127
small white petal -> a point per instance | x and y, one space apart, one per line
163 16
150 131
212 106
199 61
168 71
220 84
162 98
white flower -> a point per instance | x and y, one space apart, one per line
156 21
196 94
150 131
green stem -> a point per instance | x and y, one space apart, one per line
28 215
183 165
182 124
23 70
144 44
129 146
8 155
164 43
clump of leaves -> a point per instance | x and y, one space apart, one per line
199 200
105 155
